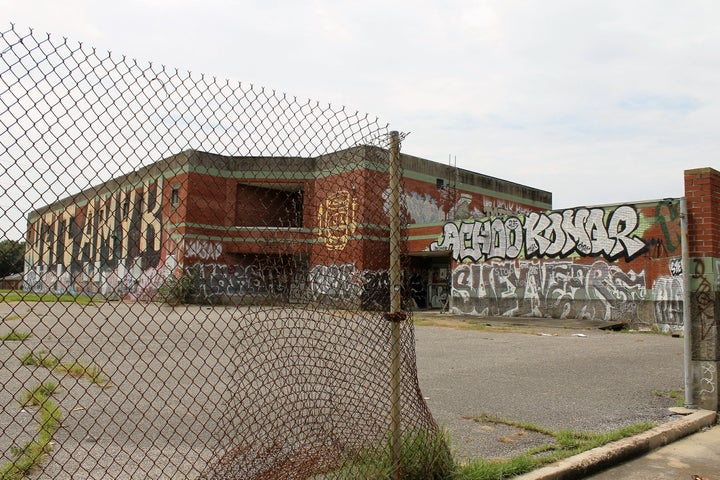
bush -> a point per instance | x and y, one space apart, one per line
176 291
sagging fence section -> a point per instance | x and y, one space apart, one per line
206 283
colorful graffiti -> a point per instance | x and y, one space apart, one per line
585 232
82 244
560 289
135 284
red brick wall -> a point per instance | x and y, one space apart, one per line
702 191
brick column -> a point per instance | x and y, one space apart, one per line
702 191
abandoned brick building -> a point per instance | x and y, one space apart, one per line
260 227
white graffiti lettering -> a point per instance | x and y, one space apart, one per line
560 289
676 267
586 232
203 249
668 292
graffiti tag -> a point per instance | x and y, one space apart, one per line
587 232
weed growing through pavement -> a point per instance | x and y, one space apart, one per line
77 369
678 395
15 336
24 459
41 358
423 455
74 368
567 443
38 394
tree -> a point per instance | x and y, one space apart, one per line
12 255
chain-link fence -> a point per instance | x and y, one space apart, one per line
197 279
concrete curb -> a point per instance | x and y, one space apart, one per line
613 453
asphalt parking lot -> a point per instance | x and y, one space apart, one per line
557 375
169 361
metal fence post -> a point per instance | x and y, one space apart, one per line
395 299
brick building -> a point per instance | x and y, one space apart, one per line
258 228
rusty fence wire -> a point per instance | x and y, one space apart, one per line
195 280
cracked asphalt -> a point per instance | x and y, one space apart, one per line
557 375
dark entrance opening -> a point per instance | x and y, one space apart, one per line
429 281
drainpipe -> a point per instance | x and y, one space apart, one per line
687 324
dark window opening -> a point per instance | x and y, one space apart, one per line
268 207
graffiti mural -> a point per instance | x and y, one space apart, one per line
667 215
603 263
336 219
422 208
341 285
704 300
82 247
668 292
563 289
212 281
342 282
585 232
346 284
82 243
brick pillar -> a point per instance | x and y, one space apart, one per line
702 191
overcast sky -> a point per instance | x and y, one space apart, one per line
595 101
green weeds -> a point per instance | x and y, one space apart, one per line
77 369
567 443
37 395
423 455
678 395
24 459
41 358
15 336
74 368
427 455
20 296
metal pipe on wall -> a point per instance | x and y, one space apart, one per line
687 321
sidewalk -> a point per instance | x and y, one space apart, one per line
698 454
670 451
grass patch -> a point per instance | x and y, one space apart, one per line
77 369
15 336
41 358
567 443
20 296
74 368
423 455
427 455
678 395
26 458
37 395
